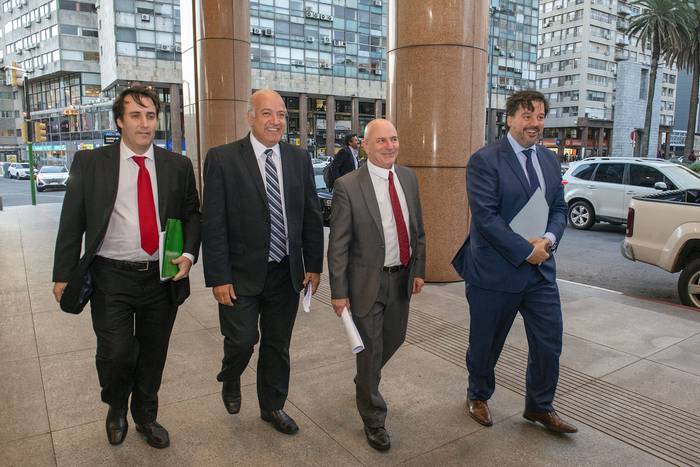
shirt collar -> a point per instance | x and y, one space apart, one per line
259 148
379 171
353 151
126 153
517 148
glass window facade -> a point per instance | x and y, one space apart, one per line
148 29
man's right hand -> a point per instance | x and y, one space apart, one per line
539 254
339 304
224 294
58 288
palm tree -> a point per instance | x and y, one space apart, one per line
687 56
662 25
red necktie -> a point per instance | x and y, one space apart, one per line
147 208
404 250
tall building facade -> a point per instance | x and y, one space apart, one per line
581 43
75 56
513 40
328 60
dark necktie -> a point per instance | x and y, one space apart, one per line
401 232
531 174
278 239
148 225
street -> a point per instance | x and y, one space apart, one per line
593 257
584 256
17 193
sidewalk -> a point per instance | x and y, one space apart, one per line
630 380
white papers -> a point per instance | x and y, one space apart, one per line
306 303
161 245
356 344
531 221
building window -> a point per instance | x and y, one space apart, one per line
643 84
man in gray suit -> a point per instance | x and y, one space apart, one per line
376 261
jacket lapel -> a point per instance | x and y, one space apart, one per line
511 159
548 172
163 181
370 198
287 175
251 164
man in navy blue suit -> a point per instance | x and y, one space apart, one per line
505 273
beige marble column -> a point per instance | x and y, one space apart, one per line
330 125
303 120
436 90
215 72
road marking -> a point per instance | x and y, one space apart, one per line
591 286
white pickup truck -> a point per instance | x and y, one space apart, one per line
664 230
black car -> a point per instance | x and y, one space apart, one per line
324 195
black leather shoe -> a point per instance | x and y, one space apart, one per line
116 425
280 420
155 434
231 395
378 438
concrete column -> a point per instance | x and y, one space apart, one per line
330 125
378 104
216 73
437 60
561 134
667 151
355 117
303 120
176 118
601 138
584 140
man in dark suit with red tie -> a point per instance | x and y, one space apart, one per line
119 198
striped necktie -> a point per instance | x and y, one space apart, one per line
278 237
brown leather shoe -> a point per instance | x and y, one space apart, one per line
479 411
551 421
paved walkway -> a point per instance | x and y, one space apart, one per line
630 380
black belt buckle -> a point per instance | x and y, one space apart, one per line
145 266
391 269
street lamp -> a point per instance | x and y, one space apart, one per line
493 11
28 124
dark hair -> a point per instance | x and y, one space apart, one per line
137 92
524 100
349 138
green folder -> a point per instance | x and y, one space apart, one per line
172 247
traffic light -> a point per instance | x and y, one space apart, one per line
25 136
39 132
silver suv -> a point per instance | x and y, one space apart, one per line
600 188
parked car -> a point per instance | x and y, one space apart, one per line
600 189
19 170
52 177
324 195
664 230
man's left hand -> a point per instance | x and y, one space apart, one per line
184 264
417 285
315 279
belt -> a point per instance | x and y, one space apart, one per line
141 266
394 268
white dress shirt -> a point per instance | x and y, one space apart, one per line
355 154
123 238
380 182
259 150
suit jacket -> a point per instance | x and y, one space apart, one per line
236 217
356 248
343 163
493 256
88 204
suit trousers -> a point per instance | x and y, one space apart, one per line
383 330
133 316
276 309
491 316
